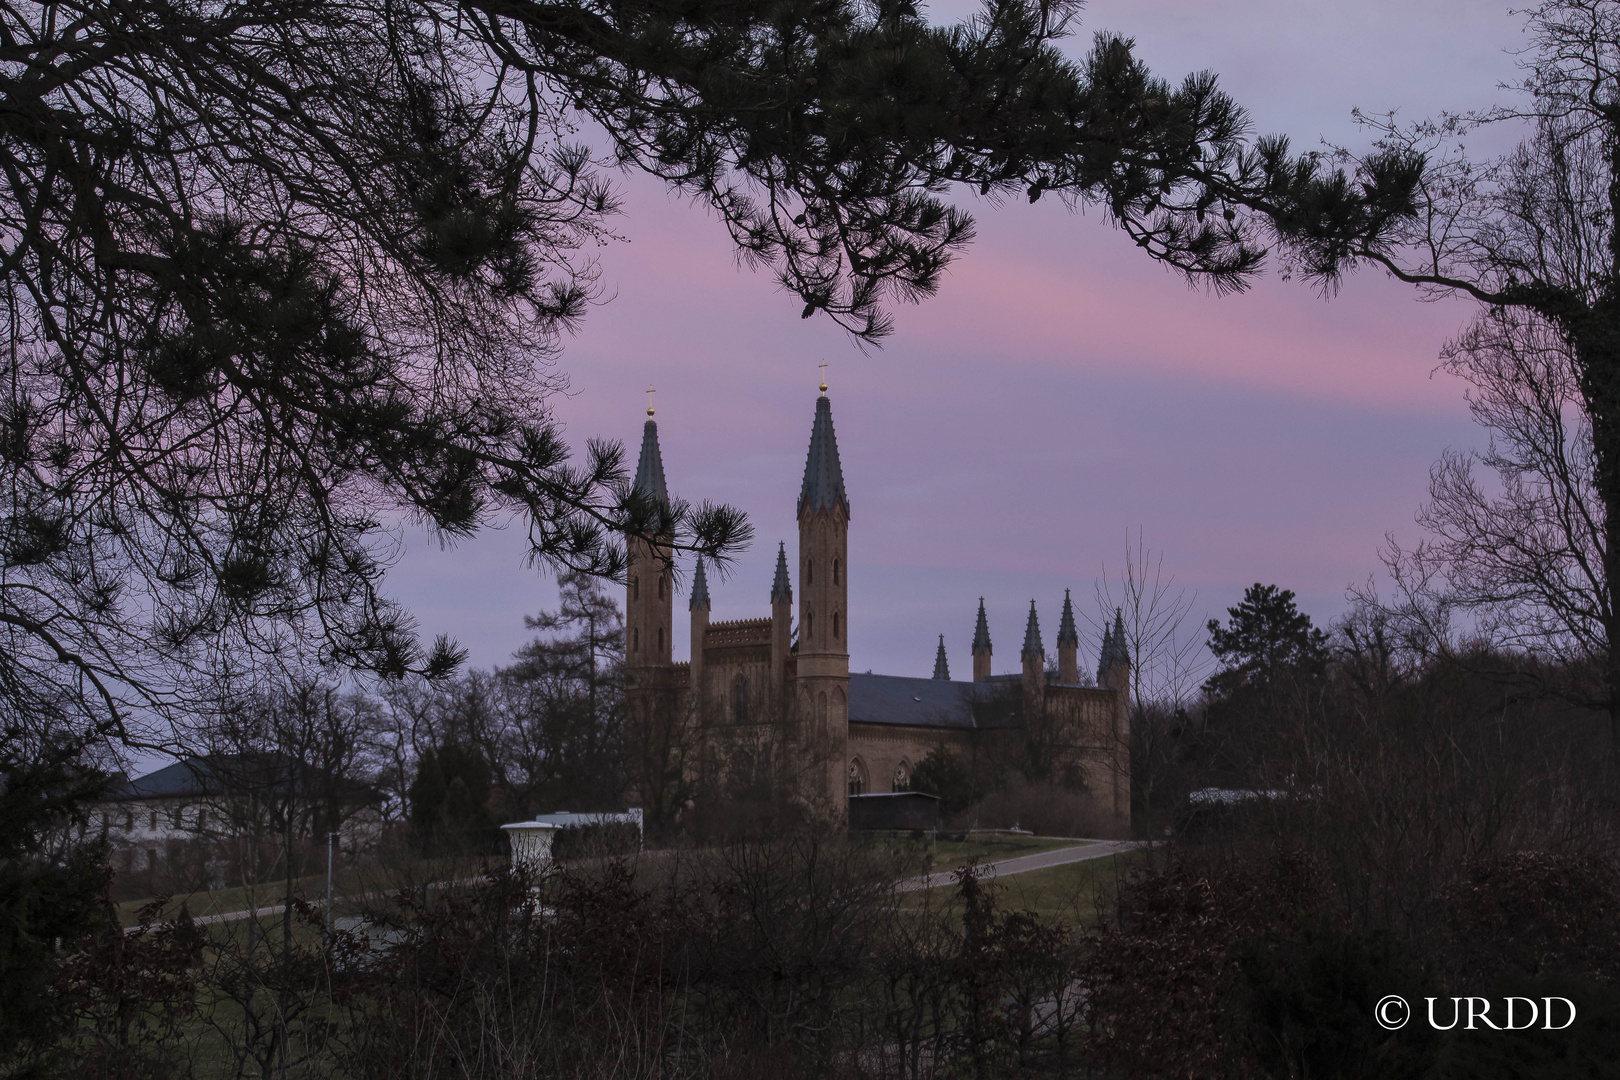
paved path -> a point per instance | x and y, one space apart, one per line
988 871
1024 863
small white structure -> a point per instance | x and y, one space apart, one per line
531 840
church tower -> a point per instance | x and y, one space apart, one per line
649 607
981 646
699 608
823 660
781 622
1034 657
1068 643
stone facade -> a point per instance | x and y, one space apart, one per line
772 704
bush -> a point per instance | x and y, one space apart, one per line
1045 809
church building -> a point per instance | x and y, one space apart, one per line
770 703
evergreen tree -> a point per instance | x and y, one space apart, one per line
53 882
1265 637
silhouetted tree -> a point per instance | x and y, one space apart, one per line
278 277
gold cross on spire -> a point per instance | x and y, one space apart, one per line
650 393
824 378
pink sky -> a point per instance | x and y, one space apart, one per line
1060 389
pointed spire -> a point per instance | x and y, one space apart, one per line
1032 635
981 632
941 669
1113 647
823 475
700 589
780 588
650 466
1067 634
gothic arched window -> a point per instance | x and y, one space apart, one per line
739 700
835 571
902 777
809 627
635 640
660 641
835 626
857 777
635 588
809 572
660 586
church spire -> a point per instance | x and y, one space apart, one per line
1068 643
700 588
1113 648
941 669
981 646
1032 635
781 588
1067 634
650 466
823 475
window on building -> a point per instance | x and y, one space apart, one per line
809 572
635 640
202 818
660 586
152 824
739 700
635 588
660 641
835 571
809 627
857 778
902 777
129 819
835 626
151 858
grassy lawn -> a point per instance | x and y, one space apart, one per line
346 884
1074 892
992 847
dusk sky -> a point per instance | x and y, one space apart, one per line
1060 389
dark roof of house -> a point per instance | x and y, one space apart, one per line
216 774
936 703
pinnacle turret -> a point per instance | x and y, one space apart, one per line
981 633
650 466
1067 634
1113 647
941 669
1032 635
781 589
823 475
700 589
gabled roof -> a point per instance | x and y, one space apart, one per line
650 466
215 775
897 699
823 475
935 703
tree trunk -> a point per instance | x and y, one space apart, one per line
1597 350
